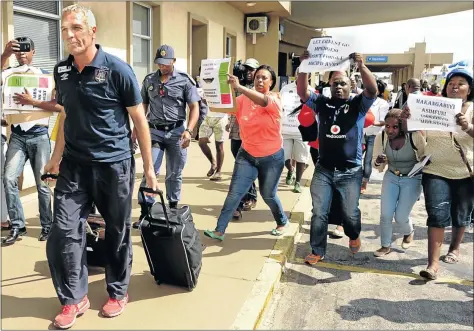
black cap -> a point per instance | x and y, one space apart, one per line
164 55
26 39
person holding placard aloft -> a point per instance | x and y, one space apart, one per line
259 113
341 124
448 180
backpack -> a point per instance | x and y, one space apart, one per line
410 134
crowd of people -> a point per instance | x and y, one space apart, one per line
345 129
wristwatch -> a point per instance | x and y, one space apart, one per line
190 131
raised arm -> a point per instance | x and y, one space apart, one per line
302 81
368 79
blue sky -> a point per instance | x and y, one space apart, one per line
450 33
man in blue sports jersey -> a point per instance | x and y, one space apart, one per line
341 122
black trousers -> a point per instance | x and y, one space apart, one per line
109 186
335 214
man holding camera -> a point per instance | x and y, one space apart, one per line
249 201
28 141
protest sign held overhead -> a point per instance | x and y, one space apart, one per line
215 87
433 113
328 54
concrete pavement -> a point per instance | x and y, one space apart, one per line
364 292
236 279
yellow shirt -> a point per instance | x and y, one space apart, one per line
445 159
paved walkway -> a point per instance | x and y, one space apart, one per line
229 273
368 293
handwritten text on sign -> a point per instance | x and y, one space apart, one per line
328 54
433 113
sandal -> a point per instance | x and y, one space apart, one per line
237 215
216 177
312 259
211 172
429 274
450 258
407 240
211 234
281 231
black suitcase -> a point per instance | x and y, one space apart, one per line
171 242
95 232
95 240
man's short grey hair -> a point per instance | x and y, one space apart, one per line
89 17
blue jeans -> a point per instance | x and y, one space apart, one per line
448 201
37 149
170 143
399 195
347 183
4 210
369 151
252 193
247 168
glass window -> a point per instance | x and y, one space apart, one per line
141 41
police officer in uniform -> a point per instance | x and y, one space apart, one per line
99 93
165 93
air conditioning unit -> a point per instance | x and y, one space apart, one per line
258 24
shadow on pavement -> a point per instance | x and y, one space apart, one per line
142 287
417 311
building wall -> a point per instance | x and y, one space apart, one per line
170 25
111 34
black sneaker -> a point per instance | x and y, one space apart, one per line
173 205
43 235
13 236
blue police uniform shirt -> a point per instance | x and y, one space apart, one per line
341 129
97 126
167 101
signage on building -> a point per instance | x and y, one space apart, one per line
376 59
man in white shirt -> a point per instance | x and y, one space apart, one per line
28 141
293 145
379 109
213 124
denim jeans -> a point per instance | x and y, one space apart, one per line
169 142
252 192
369 151
399 195
247 168
4 215
347 183
448 201
37 149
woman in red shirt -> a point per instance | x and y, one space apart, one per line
261 155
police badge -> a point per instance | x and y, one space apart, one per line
163 52
150 88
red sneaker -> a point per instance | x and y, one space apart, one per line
68 315
114 307
354 245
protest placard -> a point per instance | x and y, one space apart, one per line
215 87
432 113
40 87
328 54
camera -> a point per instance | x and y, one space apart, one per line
240 72
25 45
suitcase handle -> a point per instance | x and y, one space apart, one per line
50 176
144 190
